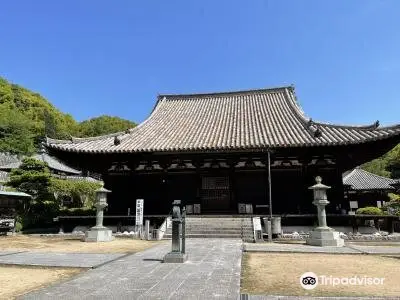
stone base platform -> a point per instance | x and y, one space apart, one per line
175 257
98 234
325 237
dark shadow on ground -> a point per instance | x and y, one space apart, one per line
152 259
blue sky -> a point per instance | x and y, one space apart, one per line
113 57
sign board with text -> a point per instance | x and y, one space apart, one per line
139 211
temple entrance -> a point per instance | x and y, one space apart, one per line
215 193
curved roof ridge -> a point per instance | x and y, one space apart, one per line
75 140
216 94
296 107
373 126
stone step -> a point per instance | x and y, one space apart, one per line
216 235
197 231
218 227
213 226
217 224
214 229
215 221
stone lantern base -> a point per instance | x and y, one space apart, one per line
175 257
324 237
99 234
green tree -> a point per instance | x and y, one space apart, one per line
80 190
387 165
393 162
32 177
103 125
26 117
15 132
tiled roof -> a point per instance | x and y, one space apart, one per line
8 162
360 179
74 177
244 120
14 194
55 163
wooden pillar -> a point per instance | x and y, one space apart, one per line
197 164
232 185
269 184
390 225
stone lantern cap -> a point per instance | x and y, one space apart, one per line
319 185
176 202
102 190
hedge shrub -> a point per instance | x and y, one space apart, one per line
369 210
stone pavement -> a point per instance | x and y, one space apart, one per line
50 259
212 271
261 297
303 248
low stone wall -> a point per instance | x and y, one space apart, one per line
378 236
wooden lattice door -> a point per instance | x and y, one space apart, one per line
215 193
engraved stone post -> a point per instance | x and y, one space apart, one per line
147 229
183 230
99 233
322 235
176 255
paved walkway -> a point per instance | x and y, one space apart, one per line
302 248
212 271
51 259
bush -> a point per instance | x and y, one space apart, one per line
369 210
40 214
18 226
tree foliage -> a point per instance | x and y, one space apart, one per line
369 210
103 125
76 189
32 177
26 117
16 134
388 165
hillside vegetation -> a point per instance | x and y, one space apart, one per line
388 165
26 118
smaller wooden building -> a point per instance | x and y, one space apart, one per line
367 189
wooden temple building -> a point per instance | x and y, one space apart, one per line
218 149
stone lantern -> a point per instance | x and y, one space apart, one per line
177 254
322 235
99 233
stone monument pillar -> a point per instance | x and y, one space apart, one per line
99 233
322 235
176 255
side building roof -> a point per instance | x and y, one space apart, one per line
9 162
242 120
359 180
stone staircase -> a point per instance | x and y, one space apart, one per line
217 227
